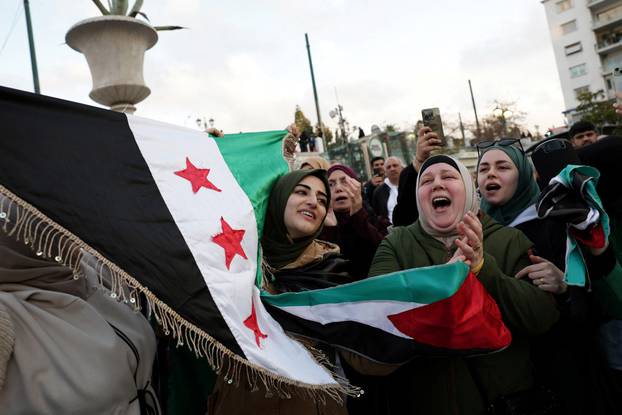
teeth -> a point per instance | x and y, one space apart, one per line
309 214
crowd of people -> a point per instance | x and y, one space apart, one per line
325 226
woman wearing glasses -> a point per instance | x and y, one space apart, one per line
564 357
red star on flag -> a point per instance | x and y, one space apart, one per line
251 323
198 177
231 240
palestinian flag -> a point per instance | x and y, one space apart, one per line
571 198
169 212
439 310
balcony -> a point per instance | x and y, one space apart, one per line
592 4
608 48
608 21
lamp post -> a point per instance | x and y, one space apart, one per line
503 114
340 120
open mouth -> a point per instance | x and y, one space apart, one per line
341 198
307 214
440 202
491 187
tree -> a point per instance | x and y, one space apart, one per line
390 128
302 122
492 127
595 108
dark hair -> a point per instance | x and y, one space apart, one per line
580 127
549 157
376 159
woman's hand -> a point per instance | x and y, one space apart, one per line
544 275
471 241
331 219
426 143
352 188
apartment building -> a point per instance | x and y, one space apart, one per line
587 42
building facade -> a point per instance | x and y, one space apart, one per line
587 42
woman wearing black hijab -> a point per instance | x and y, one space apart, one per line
294 260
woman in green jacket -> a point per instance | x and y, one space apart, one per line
450 228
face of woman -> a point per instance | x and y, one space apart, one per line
497 177
306 208
339 199
442 196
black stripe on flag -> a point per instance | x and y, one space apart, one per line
81 166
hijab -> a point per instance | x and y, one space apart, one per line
316 162
526 193
471 203
278 248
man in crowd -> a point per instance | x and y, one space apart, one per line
582 133
385 195
377 176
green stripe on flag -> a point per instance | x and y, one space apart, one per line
256 161
421 285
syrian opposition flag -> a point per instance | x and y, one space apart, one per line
169 212
174 216
439 310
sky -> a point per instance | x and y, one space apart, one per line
244 63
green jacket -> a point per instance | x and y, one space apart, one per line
445 385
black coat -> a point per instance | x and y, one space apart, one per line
405 211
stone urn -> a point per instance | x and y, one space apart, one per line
114 47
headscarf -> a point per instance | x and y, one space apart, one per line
471 203
526 193
347 170
316 162
278 248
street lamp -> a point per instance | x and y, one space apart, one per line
503 114
341 121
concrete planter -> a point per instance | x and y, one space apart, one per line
114 47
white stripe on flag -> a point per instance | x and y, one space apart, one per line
165 148
365 312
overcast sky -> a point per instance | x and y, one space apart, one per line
244 62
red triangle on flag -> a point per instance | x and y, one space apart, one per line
469 319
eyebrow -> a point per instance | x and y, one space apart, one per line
309 188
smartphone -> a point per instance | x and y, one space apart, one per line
378 172
432 118
617 83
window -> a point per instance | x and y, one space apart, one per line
563 5
581 90
578 70
569 27
573 48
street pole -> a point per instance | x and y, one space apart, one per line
474 110
31 43
462 129
317 104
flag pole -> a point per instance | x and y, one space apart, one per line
317 104
31 43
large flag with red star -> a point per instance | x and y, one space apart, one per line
174 216
169 212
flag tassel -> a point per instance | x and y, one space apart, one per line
48 239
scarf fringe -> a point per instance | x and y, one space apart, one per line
24 222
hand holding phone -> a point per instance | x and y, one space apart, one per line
432 118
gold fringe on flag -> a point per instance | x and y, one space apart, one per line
49 240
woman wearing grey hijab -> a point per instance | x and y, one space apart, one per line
77 350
